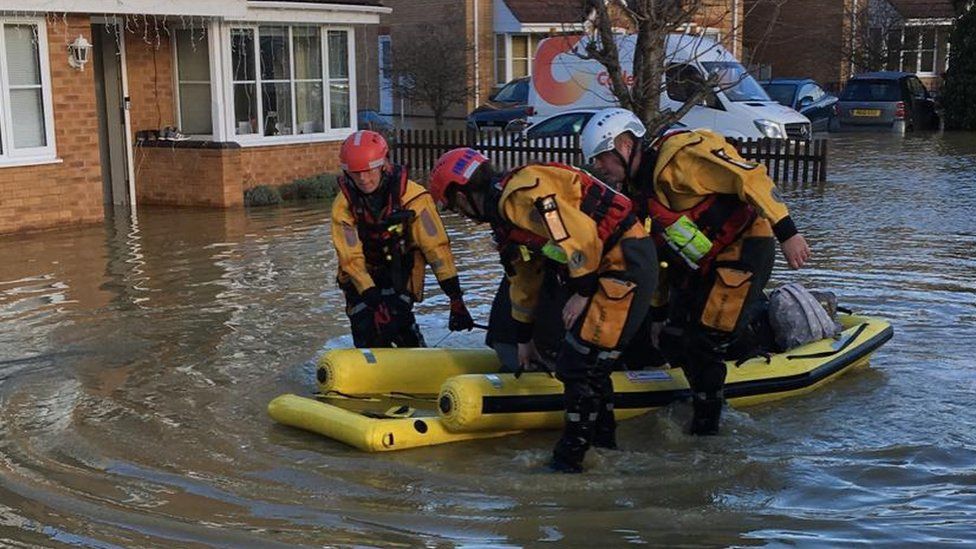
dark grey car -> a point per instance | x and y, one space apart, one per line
895 100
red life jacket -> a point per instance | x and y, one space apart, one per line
721 217
384 243
612 211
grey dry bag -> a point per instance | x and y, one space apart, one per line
798 317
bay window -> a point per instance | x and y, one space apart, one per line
290 80
193 82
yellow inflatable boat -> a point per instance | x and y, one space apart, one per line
456 394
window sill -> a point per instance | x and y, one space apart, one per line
258 141
187 144
28 161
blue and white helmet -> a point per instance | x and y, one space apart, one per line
600 132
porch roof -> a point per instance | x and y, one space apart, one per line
231 9
924 9
546 11
203 8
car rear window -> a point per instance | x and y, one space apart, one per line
871 90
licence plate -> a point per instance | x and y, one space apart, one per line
866 112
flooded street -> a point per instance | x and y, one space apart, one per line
137 359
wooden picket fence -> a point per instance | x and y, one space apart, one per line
786 160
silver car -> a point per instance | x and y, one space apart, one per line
887 100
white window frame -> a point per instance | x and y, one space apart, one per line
917 49
178 114
534 39
258 139
11 156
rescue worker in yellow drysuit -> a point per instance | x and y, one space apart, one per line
611 265
715 218
385 229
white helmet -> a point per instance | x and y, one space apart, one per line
599 133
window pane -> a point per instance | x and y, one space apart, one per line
928 61
195 109
308 103
940 52
277 109
520 67
245 109
338 55
193 57
339 104
275 64
242 53
308 53
23 66
27 111
500 76
909 61
928 38
520 47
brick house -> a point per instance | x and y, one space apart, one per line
503 35
829 40
266 90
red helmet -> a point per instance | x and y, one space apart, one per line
363 151
455 167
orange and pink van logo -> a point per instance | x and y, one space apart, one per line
555 71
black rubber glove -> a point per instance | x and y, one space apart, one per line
460 317
372 298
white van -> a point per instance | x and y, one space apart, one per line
739 106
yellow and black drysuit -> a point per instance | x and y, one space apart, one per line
712 299
609 259
383 241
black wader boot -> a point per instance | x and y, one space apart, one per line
605 430
581 413
707 413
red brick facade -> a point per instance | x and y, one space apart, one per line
800 38
70 190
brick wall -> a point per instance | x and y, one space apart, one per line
284 163
180 176
69 192
800 38
721 15
187 174
149 67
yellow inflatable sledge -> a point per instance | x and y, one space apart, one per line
460 396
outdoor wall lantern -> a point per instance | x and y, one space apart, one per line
78 52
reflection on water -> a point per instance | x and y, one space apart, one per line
137 358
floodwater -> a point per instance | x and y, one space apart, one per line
137 359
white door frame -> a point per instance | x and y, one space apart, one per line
126 120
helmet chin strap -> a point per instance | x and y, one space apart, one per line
628 164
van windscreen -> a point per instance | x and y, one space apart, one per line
735 81
514 92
